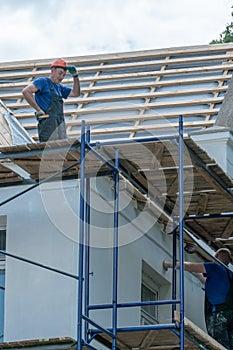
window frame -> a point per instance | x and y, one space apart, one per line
148 282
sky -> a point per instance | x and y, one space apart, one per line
36 29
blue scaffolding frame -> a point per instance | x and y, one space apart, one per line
84 251
85 335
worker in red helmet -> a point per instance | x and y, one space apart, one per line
46 94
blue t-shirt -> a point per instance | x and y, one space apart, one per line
217 283
43 95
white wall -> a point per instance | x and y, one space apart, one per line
218 143
39 303
43 225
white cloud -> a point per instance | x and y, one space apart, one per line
77 27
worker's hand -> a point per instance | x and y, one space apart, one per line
72 70
40 115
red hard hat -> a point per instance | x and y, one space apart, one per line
59 63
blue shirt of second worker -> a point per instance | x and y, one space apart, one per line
217 283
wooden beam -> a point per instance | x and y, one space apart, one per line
134 106
127 86
117 76
112 57
131 96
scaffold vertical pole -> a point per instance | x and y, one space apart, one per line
115 250
87 248
81 236
181 229
174 272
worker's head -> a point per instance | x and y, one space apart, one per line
58 70
224 255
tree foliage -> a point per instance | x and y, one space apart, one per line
226 36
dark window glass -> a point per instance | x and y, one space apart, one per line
149 295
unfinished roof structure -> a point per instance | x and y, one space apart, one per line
127 97
131 94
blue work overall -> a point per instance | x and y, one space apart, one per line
53 127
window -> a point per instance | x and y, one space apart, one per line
2 242
149 313
149 292
2 274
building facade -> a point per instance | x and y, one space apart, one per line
132 103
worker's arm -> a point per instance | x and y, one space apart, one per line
28 94
75 92
188 266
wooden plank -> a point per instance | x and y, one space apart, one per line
149 105
125 86
166 115
145 117
111 57
51 343
147 127
117 76
155 63
180 71
151 95
146 95
123 119
5 132
227 232
136 106
160 83
199 334
130 96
